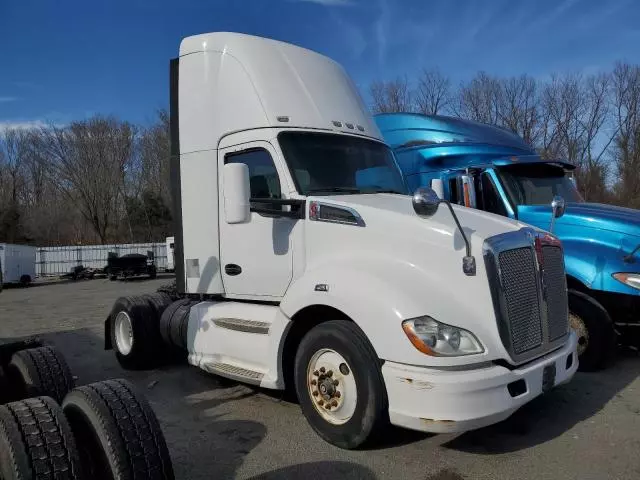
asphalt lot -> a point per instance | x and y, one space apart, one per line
215 428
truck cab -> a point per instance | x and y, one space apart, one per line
494 170
301 264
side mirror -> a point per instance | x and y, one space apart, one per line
237 193
438 187
558 207
425 202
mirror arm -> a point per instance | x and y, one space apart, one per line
469 261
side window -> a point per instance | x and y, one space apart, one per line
491 198
455 191
263 175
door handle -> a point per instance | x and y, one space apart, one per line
232 269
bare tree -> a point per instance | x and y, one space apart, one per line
479 99
87 161
391 96
433 93
518 107
626 151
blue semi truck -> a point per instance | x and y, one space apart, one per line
490 168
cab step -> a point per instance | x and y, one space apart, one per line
234 372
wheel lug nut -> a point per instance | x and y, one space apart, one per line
338 394
315 393
328 407
322 370
320 402
316 373
334 403
314 382
330 373
336 382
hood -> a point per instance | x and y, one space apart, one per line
378 209
586 216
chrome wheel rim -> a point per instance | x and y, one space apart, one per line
578 326
123 333
332 386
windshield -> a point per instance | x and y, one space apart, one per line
537 184
325 163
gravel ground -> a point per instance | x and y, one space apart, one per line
216 428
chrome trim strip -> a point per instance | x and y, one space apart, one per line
241 325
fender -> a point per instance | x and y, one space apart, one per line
592 262
379 293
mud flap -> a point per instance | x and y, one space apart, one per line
107 334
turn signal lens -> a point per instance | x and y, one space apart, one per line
439 339
630 279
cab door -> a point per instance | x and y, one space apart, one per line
256 256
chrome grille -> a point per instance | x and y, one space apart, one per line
526 274
555 284
519 282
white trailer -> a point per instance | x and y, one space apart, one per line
302 264
17 263
170 254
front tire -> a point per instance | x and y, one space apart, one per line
596 336
339 384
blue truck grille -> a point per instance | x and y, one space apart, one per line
520 287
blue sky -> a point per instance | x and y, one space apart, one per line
62 60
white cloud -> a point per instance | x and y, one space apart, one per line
330 3
22 124
8 99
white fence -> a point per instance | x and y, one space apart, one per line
53 261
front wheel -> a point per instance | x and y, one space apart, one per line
595 332
339 384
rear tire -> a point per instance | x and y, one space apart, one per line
36 442
118 432
359 405
42 371
597 340
25 280
135 333
174 324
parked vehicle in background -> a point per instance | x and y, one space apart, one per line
170 254
489 168
301 263
130 265
17 264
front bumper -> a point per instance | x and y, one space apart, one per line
445 401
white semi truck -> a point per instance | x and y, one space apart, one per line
300 264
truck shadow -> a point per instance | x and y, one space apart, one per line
554 414
319 470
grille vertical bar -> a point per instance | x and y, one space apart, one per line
555 283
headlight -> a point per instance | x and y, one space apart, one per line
630 279
440 340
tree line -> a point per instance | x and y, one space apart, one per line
104 180
99 180
592 121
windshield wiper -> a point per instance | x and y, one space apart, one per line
334 190
375 190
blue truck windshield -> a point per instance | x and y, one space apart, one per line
325 164
537 184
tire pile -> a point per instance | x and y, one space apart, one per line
51 429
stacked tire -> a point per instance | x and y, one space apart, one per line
105 430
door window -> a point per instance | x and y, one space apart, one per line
491 201
263 176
